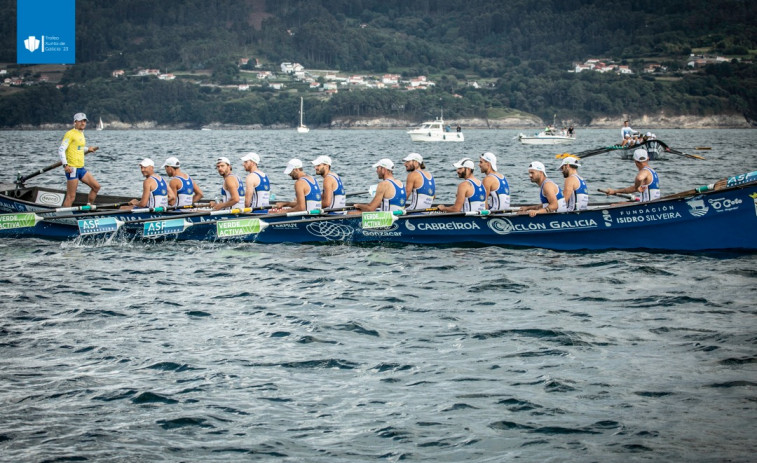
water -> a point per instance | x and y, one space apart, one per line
247 352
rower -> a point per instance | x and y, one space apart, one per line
646 182
575 192
419 186
186 191
232 190
495 184
155 191
257 186
332 193
550 194
390 193
307 193
471 194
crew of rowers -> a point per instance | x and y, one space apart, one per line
630 137
492 192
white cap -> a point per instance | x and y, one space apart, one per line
291 165
491 159
414 157
640 155
321 160
171 162
466 163
223 159
385 163
536 165
80 117
147 162
649 134
251 157
570 161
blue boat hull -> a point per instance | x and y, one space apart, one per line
717 220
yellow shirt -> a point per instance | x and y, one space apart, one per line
75 147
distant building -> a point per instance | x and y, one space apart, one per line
166 76
243 87
118 73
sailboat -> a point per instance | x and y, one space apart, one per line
100 125
302 128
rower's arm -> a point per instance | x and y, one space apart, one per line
329 185
462 193
197 196
231 185
381 192
146 189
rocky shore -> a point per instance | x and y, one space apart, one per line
659 121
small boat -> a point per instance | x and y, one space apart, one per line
100 124
302 128
436 131
720 216
547 137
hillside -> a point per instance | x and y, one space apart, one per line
485 57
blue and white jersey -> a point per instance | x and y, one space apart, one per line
423 196
338 196
500 198
158 196
226 195
579 200
397 201
313 198
626 131
561 206
185 194
476 201
261 195
652 191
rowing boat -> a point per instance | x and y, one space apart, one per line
706 218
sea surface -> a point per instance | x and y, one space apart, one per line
130 352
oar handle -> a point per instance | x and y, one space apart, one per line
621 195
22 180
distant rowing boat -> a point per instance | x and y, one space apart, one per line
706 218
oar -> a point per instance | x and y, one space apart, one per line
21 180
622 195
30 219
226 227
109 225
719 185
680 153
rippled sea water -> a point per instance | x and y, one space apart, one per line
245 352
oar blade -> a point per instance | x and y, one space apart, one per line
377 219
165 227
98 226
239 227
18 220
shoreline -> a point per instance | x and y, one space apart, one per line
660 121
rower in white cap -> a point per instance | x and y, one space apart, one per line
333 195
307 193
574 190
390 193
550 194
471 194
186 190
155 191
257 186
646 182
232 191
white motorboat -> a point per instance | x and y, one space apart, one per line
436 131
546 137
302 128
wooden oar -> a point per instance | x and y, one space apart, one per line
719 185
109 225
679 153
22 180
30 219
226 227
622 195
